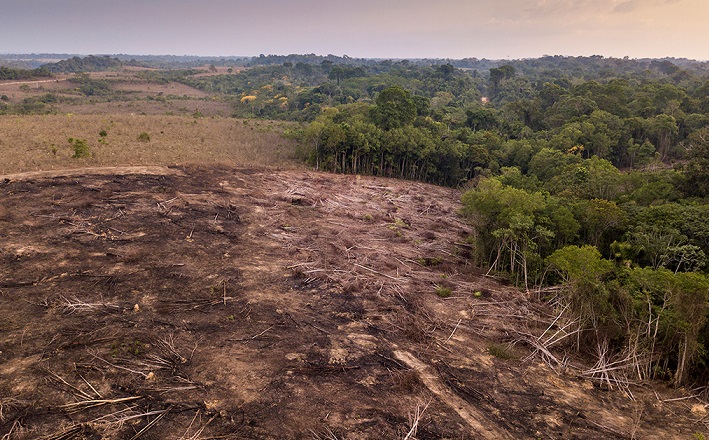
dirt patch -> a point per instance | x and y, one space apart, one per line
115 171
211 302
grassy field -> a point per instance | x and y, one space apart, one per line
40 142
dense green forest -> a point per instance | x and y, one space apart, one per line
587 177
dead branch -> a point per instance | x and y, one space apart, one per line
197 433
539 348
72 306
454 329
57 378
140 373
254 336
68 434
610 372
178 305
10 403
415 418
84 404
378 273
328 435
152 423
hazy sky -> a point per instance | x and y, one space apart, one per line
359 28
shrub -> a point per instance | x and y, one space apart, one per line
144 137
500 351
80 147
443 292
429 261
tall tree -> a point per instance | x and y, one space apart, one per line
697 170
395 108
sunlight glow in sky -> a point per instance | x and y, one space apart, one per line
366 28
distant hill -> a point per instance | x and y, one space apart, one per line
90 63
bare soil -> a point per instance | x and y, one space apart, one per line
220 302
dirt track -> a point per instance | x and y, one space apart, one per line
247 303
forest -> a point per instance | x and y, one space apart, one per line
586 178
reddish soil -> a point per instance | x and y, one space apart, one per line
247 303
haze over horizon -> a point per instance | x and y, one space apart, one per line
363 29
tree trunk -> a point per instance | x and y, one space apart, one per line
681 363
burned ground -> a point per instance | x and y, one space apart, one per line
249 303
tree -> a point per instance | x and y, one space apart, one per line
507 223
579 264
482 119
313 137
671 312
603 134
582 270
690 301
639 154
697 170
447 71
664 128
394 108
652 243
497 75
549 162
593 178
567 108
600 220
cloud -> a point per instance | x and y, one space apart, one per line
625 7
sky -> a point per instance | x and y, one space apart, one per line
496 29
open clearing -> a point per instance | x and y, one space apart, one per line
128 94
221 302
40 142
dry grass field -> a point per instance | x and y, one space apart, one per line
165 111
129 94
40 142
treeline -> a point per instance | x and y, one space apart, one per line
312 59
91 63
394 137
7 73
180 61
593 66
71 63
